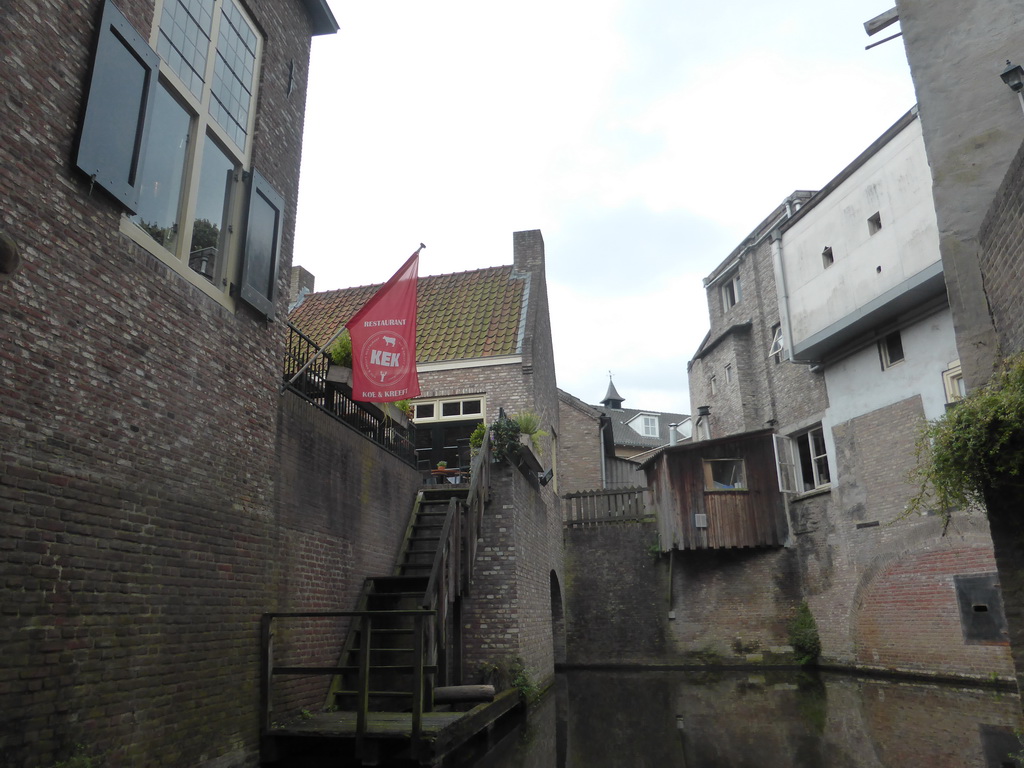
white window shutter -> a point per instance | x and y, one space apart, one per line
785 464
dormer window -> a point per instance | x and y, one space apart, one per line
649 426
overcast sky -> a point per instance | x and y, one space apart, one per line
644 138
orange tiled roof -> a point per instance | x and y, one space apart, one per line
459 316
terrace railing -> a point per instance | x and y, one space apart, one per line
305 373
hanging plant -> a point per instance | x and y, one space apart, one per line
976 447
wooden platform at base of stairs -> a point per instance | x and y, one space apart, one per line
330 737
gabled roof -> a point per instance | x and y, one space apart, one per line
625 435
460 316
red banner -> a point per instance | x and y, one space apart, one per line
384 340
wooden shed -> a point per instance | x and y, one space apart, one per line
717 494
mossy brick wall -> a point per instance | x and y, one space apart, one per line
881 586
616 595
519 555
139 423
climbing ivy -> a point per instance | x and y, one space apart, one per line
803 635
975 447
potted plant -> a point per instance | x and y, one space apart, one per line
340 353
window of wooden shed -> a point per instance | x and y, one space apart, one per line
167 132
724 475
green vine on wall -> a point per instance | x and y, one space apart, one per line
976 447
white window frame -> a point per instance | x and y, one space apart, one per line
731 293
438 404
884 353
789 466
713 385
953 382
777 350
649 426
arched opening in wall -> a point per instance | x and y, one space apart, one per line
557 620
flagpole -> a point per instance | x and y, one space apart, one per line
319 350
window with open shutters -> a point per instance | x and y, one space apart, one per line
168 132
802 461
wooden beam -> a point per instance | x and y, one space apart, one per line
453 694
881 21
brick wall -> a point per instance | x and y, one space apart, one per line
1001 257
881 586
727 603
139 425
762 393
580 450
616 606
518 568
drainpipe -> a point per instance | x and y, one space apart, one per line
604 459
780 271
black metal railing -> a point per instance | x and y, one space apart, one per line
314 385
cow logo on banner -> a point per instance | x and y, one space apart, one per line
384 340
385 359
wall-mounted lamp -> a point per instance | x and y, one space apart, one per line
1013 76
546 477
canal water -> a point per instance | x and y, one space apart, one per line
769 719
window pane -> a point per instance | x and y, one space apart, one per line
450 409
425 411
233 74
724 475
162 170
470 406
184 40
210 224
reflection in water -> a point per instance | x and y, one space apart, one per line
771 719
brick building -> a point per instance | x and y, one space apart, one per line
602 446
149 169
836 335
971 120
484 346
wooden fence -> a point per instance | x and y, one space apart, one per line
605 507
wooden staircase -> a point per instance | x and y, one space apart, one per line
393 642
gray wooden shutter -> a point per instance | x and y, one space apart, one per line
262 248
119 104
